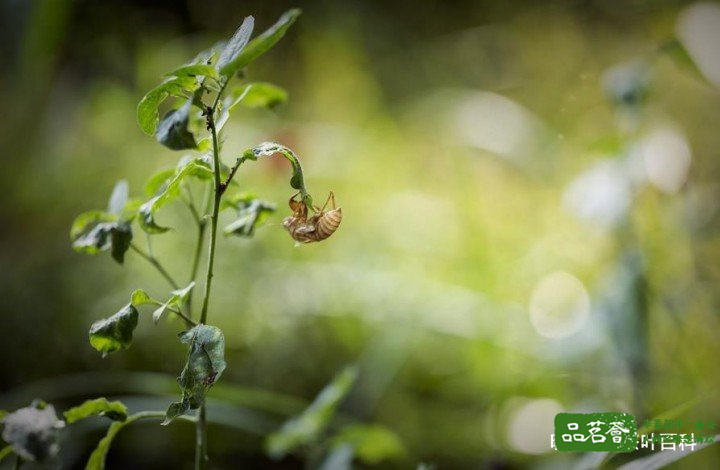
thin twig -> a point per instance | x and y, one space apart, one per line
152 260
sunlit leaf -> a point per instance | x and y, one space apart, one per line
235 45
140 297
97 458
205 363
33 432
114 333
158 181
178 298
251 212
173 131
262 43
147 110
308 426
115 410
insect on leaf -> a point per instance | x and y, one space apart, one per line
116 332
115 410
261 44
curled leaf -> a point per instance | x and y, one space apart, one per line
205 363
251 212
116 332
235 45
147 110
297 181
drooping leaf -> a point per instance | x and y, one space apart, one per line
147 110
97 458
251 211
372 444
170 191
115 410
205 363
194 70
120 239
308 426
173 131
297 181
33 432
118 198
116 332
235 45
261 44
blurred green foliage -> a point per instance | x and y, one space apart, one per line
513 244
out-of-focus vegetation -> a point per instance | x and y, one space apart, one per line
530 194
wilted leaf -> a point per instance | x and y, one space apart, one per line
115 410
116 332
173 131
251 212
205 363
307 427
33 432
147 110
262 43
235 45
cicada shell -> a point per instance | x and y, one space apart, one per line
316 228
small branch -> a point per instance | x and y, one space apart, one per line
233 170
177 312
152 260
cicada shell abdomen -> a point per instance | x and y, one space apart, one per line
327 223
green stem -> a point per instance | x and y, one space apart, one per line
152 260
201 427
18 462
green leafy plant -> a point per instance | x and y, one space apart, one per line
204 93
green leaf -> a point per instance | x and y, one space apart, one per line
178 298
261 44
194 70
170 191
140 297
235 45
262 95
663 459
114 333
297 181
251 212
118 198
158 181
115 410
83 224
205 363
147 110
308 426
5 452
372 444
33 432
173 131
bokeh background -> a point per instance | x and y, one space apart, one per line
530 192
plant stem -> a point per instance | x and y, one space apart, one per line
152 260
201 427
18 463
